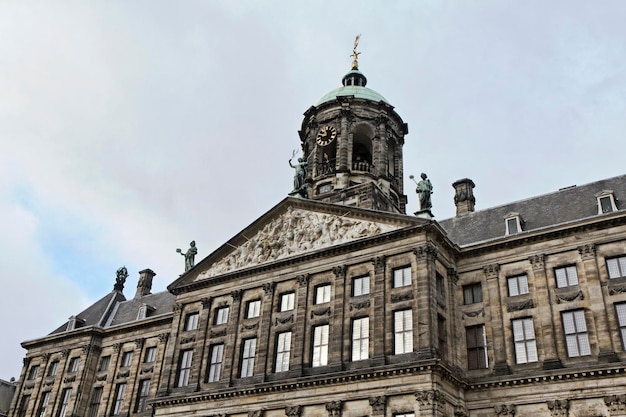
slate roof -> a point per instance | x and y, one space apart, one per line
566 205
96 314
126 311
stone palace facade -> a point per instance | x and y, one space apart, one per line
336 303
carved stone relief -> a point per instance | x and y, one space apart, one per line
558 408
334 408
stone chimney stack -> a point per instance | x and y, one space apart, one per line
464 196
145 282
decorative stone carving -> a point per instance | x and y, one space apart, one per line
360 305
460 411
292 233
218 333
339 271
303 280
473 314
206 302
162 337
252 326
453 276
403 296
504 410
491 271
147 369
558 408
379 262
124 374
48 382
537 262
46 356
569 297
519 306
322 312
268 287
378 404
255 413
334 408
617 290
284 320
185 340
69 379
101 377
295 411
427 398
139 342
86 348
587 251
28 385
616 403
65 353
425 252
178 308
236 295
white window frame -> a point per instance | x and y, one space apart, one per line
617 264
32 372
603 195
287 301
518 285
73 365
566 276
360 338
322 294
576 335
403 331
360 285
215 362
221 315
248 353
283 352
142 395
620 312
150 355
402 276
525 340
103 365
320 345
65 401
513 219
254 309
43 404
184 367
191 321
127 358
118 400
52 369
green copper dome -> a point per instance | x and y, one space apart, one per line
354 84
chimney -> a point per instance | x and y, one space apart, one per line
145 282
464 196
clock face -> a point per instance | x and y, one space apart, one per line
326 135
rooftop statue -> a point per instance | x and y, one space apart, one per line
355 54
424 190
190 255
299 184
121 275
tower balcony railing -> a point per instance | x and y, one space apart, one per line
324 168
362 166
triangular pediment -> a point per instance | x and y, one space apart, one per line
292 228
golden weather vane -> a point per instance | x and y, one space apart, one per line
355 54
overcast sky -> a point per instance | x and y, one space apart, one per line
129 128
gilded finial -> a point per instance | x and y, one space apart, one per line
355 54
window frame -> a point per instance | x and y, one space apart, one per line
403 331
287 301
513 219
32 373
23 407
517 284
476 350
94 401
319 344
565 272
214 372
53 368
621 321
360 338
127 359
578 337
185 362
150 354
118 399
221 315
66 394
402 276
620 265
606 195
322 294
43 404
361 285
103 365
525 343
470 290
253 309
143 393
283 351
191 321
248 356
73 364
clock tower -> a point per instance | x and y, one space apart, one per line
352 141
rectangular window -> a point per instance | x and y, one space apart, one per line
150 355
118 400
524 338
620 310
184 367
566 276
283 351
104 363
127 357
247 358
65 401
254 309
518 285
320 345
191 321
403 331
73 365
94 402
23 406
512 226
472 293
52 369
605 204
142 395
616 267
221 315
361 285
32 372
442 337
287 301
402 277
215 363
322 294
440 287
360 339
576 336
43 404
476 341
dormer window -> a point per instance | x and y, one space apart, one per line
144 311
74 322
513 223
606 202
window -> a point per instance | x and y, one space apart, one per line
21 412
142 395
184 367
320 345
127 357
360 339
118 400
442 337
403 331
150 355
191 321
52 370
620 309
215 363
32 372
104 363
287 301
513 223
283 351
73 367
221 315
361 285
576 337
616 267
566 276
43 404
606 202
254 309
247 358
402 277
524 338
65 401
476 347
94 402
473 293
322 294
518 285
440 286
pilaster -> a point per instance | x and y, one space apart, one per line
425 300
431 402
379 405
378 297
335 348
492 273
264 335
302 295
231 336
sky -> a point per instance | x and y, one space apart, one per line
129 128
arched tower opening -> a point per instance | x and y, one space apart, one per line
362 148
